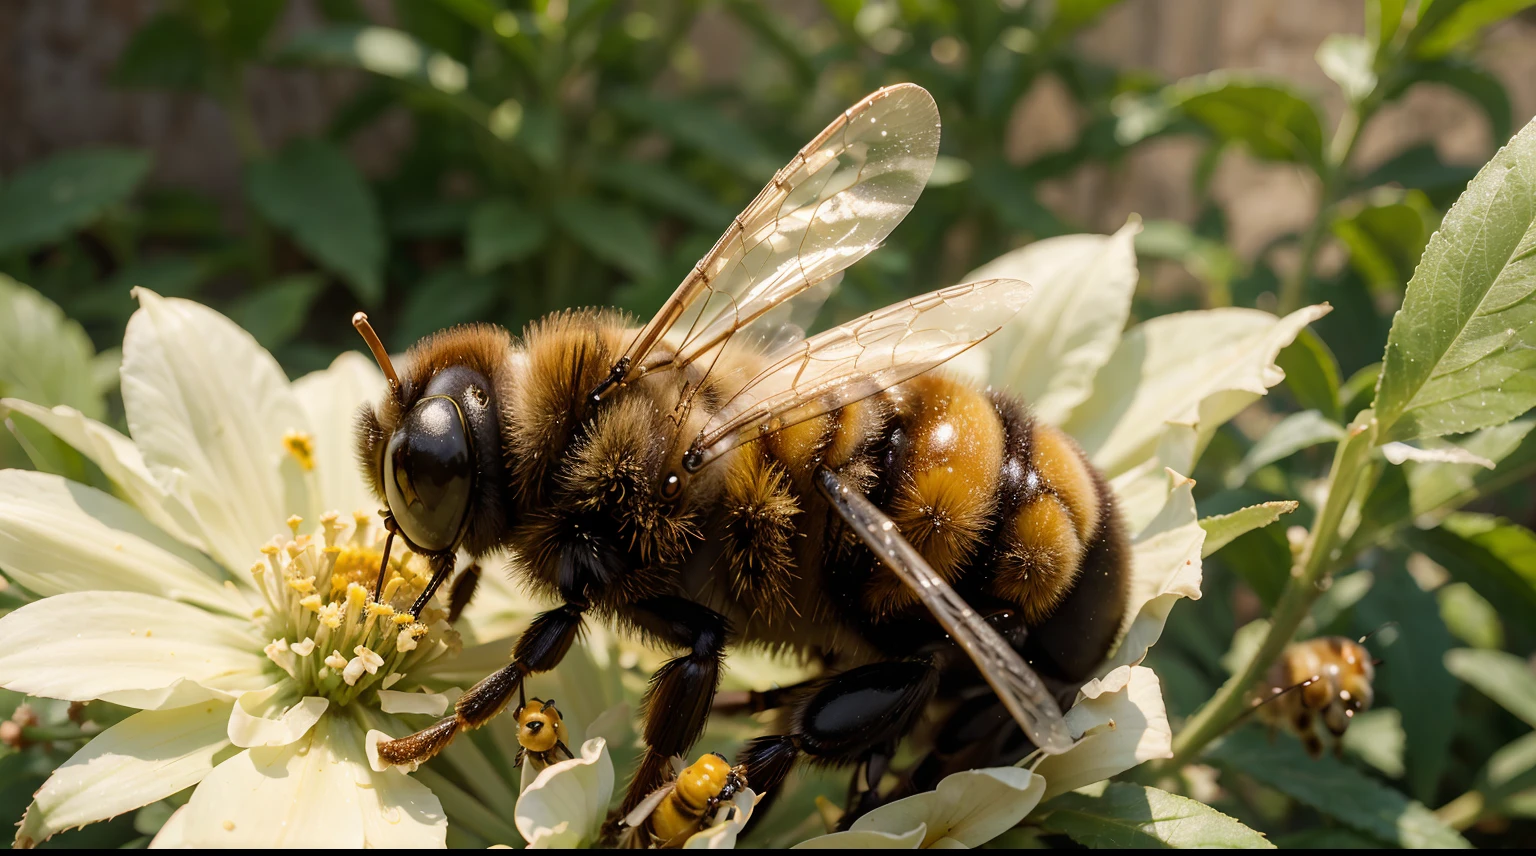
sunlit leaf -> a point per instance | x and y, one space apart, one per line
1385 238
48 199
1292 434
1221 529
1469 616
1376 737
1127 815
317 195
1460 354
1273 122
1335 789
1444 32
1499 675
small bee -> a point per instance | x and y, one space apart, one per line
691 802
1318 684
541 733
717 477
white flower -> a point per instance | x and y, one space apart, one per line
154 603
1142 404
566 804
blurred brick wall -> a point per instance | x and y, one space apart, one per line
56 57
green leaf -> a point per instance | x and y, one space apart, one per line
276 312
1377 738
1312 374
1348 60
1383 19
656 185
167 52
704 129
1439 488
1461 349
1420 687
1127 815
1221 529
1446 33
1271 120
381 50
614 232
1355 394
447 297
501 230
1508 780
1386 239
313 191
1295 432
1340 597
1335 789
1497 558
45 357
1469 616
46 201
1420 168
1499 675
1481 86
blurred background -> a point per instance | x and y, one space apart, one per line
435 161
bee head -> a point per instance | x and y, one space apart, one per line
433 446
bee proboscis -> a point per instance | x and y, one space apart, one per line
717 476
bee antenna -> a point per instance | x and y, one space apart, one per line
1362 639
360 321
378 587
1276 694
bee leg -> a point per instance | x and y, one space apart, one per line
872 770
854 714
539 649
682 691
755 701
462 592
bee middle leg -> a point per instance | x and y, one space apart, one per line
682 691
857 717
539 649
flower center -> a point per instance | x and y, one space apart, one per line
329 634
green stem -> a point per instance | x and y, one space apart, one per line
1320 558
50 733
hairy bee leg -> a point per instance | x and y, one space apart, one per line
463 592
855 714
682 691
539 649
442 567
757 701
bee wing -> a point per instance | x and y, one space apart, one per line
840 366
1020 689
639 813
830 206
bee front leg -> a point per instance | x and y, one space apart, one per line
540 649
682 691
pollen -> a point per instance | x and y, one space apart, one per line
301 446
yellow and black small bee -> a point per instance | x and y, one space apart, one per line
691 802
1317 685
541 732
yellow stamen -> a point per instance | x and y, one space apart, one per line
301 446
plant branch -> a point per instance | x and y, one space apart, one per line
1319 559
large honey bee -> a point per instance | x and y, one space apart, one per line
1316 688
716 477
690 802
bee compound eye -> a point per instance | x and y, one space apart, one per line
429 473
671 486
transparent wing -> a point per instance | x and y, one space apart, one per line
1020 689
858 359
830 206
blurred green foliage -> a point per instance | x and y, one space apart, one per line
578 152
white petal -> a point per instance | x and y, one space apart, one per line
1049 353
397 810
126 648
57 536
566 805
1397 453
1142 491
866 840
1189 368
331 399
1121 721
1165 567
173 835
121 461
146 757
431 704
297 795
971 807
209 407
252 724
722 836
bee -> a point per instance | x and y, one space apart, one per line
1317 686
715 476
541 734
692 801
